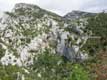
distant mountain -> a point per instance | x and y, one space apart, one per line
78 14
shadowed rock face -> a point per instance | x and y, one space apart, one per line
69 53
28 29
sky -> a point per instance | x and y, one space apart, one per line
60 7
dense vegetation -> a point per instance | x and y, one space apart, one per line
46 66
97 47
98 25
98 39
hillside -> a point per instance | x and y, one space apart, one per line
36 44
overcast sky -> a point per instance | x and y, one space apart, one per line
60 7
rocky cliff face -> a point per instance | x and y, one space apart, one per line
28 29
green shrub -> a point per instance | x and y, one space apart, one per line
54 67
9 72
78 73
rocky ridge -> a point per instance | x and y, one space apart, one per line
27 30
